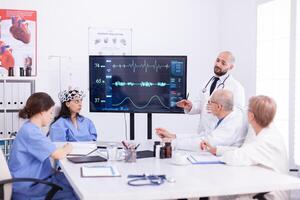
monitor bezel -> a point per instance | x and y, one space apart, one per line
130 111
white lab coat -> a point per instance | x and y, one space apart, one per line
208 121
230 132
266 149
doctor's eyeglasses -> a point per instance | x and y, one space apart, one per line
248 109
212 102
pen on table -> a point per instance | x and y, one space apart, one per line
206 147
187 96
91 152
124 144
137 146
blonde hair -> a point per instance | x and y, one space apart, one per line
263 108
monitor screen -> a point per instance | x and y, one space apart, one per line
137 84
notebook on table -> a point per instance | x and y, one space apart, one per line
99 171
86 159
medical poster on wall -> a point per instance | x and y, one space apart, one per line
17 42
105 41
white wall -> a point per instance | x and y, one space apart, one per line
160 27
237 31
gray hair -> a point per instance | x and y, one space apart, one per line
225 98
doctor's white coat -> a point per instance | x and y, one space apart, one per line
207 120
266 149
230 132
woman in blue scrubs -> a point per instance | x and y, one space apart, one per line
32 150
69 125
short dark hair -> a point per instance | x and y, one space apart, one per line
36 103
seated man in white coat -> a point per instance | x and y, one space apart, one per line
229 130
263 145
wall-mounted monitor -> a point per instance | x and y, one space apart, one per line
137 84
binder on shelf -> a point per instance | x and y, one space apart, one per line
8 95
15 122
2 125
8 125
2 147
1 95
24 93
15 95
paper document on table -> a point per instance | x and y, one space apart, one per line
99 170
204 158
82 148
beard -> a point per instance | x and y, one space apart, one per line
219 72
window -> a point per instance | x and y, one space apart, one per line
296 143
278 65
273 58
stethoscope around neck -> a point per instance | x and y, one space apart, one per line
221 85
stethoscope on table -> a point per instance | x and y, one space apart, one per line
220 84
145 179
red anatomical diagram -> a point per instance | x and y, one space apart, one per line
19 29
6 58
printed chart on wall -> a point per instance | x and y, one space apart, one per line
17 42
104 41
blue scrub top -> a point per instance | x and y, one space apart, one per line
29 156
64 130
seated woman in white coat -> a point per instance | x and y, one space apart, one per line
263 145
69 125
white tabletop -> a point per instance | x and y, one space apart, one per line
191 180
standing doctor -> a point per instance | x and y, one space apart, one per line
222 79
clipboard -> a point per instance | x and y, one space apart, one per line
204 159
99 171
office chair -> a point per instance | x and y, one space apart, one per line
260 196
6 181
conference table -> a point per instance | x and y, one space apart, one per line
188 181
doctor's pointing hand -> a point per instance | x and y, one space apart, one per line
185 104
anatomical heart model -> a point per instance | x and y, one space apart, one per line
6 58
17 42
19 29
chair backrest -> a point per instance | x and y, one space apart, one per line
5 174
46 129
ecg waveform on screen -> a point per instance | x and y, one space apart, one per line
145 66
144 106
140 84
